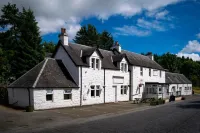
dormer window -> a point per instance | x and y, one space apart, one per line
124 67
141 71
95 63
92 63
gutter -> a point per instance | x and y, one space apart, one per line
104 86
81 89
130 91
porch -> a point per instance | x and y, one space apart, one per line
155 90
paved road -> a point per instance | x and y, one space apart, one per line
182 117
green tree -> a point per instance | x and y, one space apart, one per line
49 47
105 40
21 41
88 35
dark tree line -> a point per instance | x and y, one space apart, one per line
21 46
186 66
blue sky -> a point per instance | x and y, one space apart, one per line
158 26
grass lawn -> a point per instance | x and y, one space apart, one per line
196 90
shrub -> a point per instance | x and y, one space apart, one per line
154 102
157 102
29 109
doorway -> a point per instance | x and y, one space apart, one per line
115 90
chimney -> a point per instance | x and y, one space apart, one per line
117 46
150 55
63 36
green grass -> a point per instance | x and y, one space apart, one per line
196 90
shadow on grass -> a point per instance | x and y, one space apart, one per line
190 105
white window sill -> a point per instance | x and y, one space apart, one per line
67 99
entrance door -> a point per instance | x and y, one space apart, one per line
115 90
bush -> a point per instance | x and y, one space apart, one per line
157 102
29 109
154 102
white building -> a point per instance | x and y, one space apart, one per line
79 75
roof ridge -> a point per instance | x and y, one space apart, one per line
36 80
25 73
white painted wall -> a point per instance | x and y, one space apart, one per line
58 99
71 67
109 83
19 96
137 79
183 90
92 77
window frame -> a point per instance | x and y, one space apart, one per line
141 71
97 63
160 73
49 94
95 89
93 63
124 90
92 89
67 93
149 72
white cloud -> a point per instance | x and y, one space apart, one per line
131 31
52 14
192 46
193 56
159 14
191 50
156 25
198 35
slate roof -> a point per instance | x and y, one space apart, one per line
141 60
50 73
74 51
176 78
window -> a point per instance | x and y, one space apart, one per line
160 89
155 72
67 94
124 67
95 91
98 91
97 63
92 63
141 71
149 72
124 89
180 88
92 90
160 73
49 95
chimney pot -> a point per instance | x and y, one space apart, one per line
63 30
63 36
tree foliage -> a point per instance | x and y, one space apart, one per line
186 66
48 47
88 35
20 43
